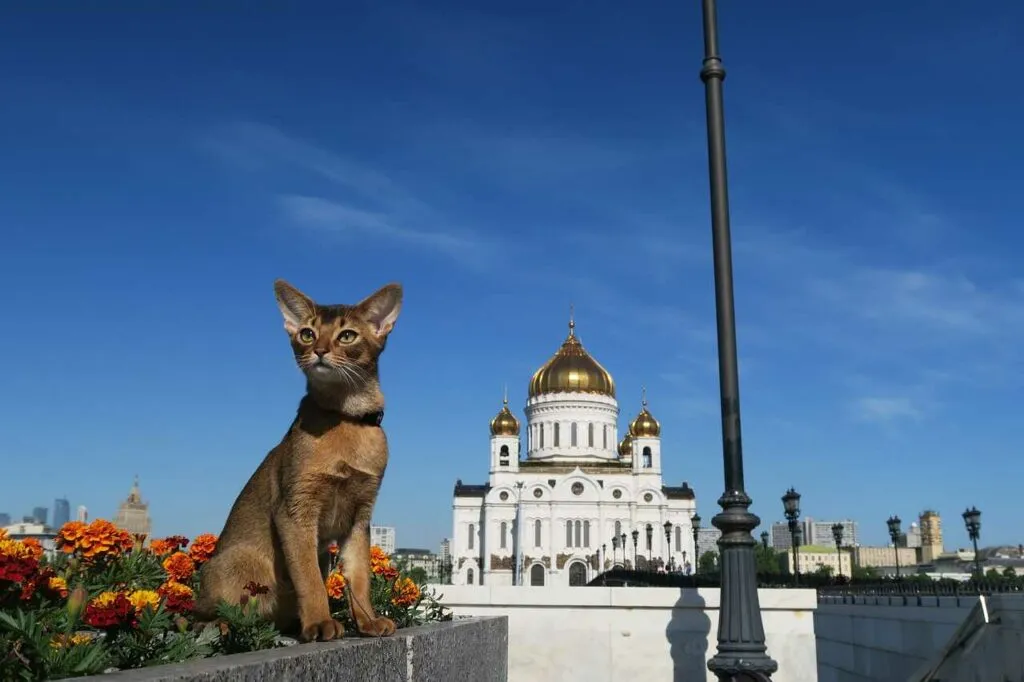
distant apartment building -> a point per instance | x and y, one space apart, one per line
383 537
912 538
884 557
46 536
39 515
61 512
82 514
707 541
5 519
817 533
931 536
410 558
445 555
813 557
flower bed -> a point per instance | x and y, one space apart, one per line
106 602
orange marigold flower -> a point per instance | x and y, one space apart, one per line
178 598
161 547
142 599
405 592
69 534
34 546
332 548
18 562
97 540
179 566
58 586
380 563
335 585
202 548
3 533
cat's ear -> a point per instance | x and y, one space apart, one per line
381 308
295 306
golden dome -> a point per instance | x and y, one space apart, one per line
572 370
626 446
645 425
505 423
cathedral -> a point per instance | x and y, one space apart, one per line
581 501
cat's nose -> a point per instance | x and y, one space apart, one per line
320 353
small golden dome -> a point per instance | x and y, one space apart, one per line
626 446
505 423
572 370
645 425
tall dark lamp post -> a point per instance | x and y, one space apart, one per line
650 545
791 507
742 652
636 536
668 545
615 549
764 539
695 525
972 519
837 535
894 534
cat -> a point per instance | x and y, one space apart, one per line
320 483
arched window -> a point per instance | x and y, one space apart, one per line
504 451
579 535
647 457
577 574
590 435
679 539
541 427
504 533
649 539
536 533
586 534
472 535
537 575
557 430
469 577
572 434
618 528
568 533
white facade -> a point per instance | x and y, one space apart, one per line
383 537
578 487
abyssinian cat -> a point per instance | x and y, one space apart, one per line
319 484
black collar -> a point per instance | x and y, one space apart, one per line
368 419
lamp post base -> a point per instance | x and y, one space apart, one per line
742 654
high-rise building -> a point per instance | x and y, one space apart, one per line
5 519
931 536
445 555
383 537
82 514
133 514
912 537
707 541
61 512
814 533
39 515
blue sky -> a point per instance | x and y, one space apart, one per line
160 168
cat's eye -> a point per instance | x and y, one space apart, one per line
347 336
307 335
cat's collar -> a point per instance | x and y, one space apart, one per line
368 419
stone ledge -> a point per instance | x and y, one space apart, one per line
464 649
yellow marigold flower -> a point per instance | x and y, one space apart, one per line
16 549
3 533
335 584
176 589
202 547
179 566
405 592
104 599
141 599
60 641
58 585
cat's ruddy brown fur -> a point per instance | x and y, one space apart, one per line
320 483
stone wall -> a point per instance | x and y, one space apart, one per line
883 639
601 634
466 649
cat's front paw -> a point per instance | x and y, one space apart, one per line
378 627
324 631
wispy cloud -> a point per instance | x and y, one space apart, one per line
885 409
358 200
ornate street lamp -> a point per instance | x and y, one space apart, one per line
972 519
894 533
604 555
695 525
791 507
668 545
650 545
636 536
742 651
615 549
764 539
837 535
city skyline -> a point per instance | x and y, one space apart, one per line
503 164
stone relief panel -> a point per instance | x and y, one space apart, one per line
501 563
